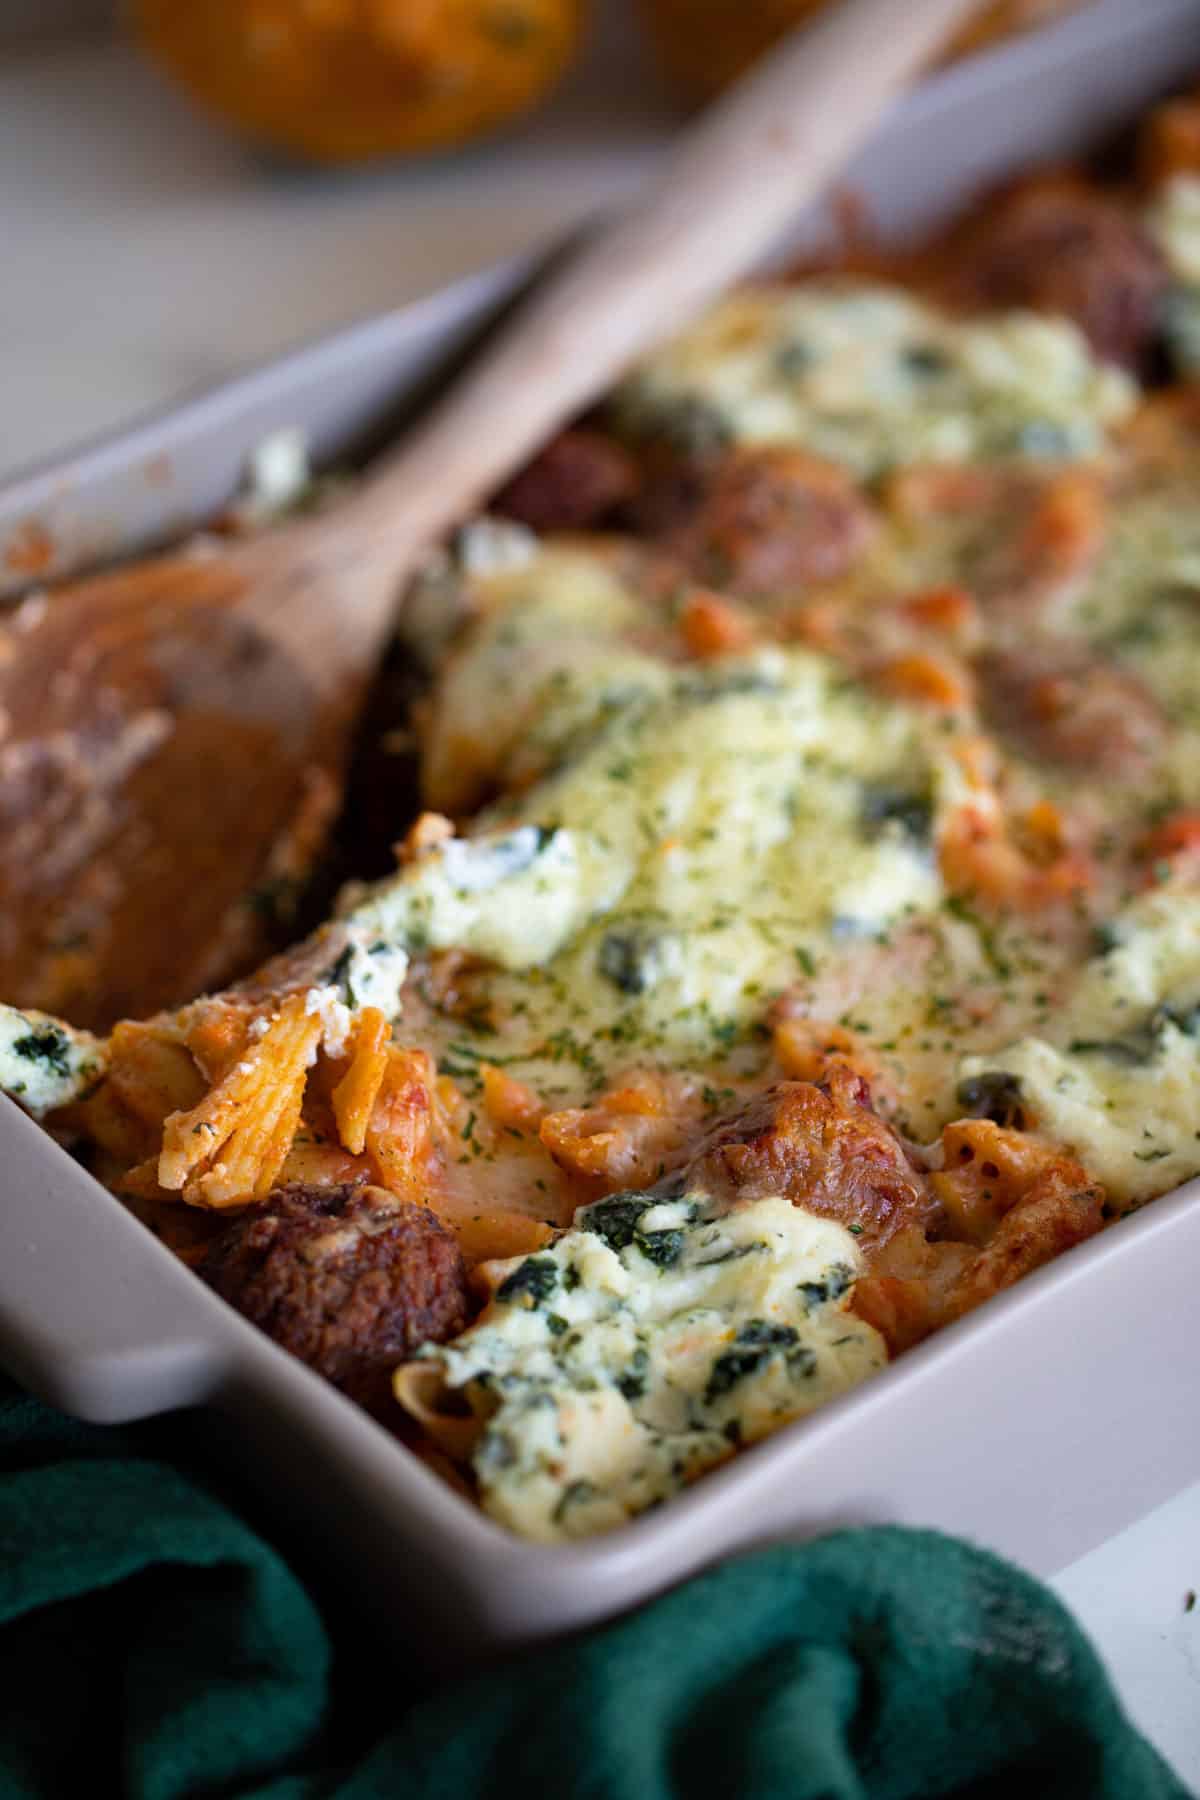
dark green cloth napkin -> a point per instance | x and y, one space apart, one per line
154 1644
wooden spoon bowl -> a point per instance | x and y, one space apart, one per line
172 761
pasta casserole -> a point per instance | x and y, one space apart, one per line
799 938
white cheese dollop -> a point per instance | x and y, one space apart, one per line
647 1344
869 376
1119 1081
45 1063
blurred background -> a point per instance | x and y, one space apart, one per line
186 188
157 246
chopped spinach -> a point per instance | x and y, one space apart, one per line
754 1344
662 1248
632 1382
762 1331
337 975
730 1368
615 1219
531 1282
1105 939
48 1045
733 1253
836 1283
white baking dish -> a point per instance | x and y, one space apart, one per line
1039 1425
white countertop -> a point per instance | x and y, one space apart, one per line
146 253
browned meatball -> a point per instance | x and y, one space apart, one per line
1068 706
349 1279
756 521
1058 244
820 1146
574 482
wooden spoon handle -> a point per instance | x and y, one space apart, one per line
726 195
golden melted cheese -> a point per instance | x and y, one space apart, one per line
703 838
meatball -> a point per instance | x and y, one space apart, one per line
576 481
1068 707
1056 243
755 521
350 1279
819 1145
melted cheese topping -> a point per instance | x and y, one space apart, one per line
1118 1078
644 1346
685 843
704 835
872 377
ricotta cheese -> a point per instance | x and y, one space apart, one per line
45 1063
872 377
1119 1081
644 1346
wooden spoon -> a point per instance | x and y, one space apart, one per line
176 730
